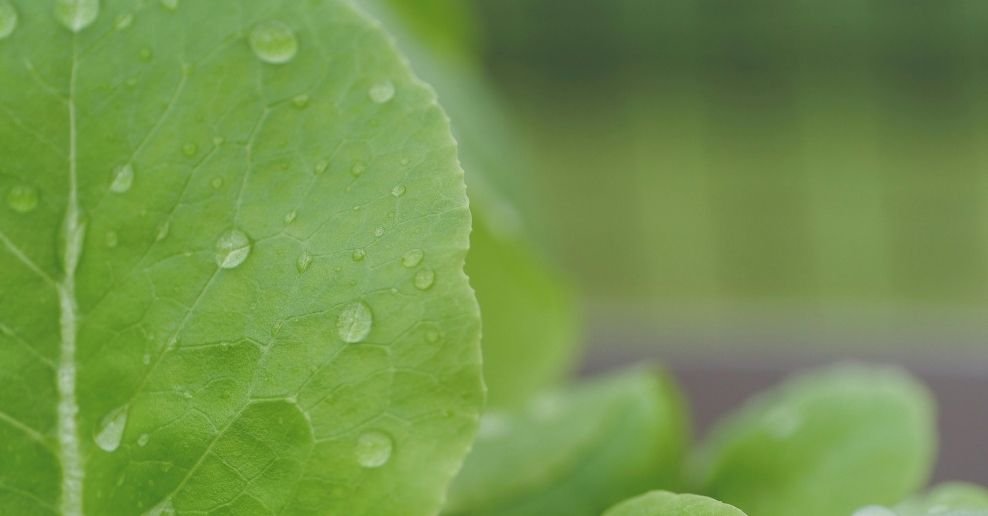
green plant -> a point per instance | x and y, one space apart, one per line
232 248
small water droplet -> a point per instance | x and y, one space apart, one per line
111 430
8 19
171 5
111 239
23 198
404 162
412 258
374 449
216 183
398 190
145 54
232 248
424 279
358 255
142 441
354 322
381 92
303 262
190 149
123 21
123 179
163 230
321 166
76 15
300 101
290 217
379 232
218 140
358 168
273 42
146 359
433 336
164 508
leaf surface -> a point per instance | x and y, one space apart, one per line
950 499
231 249
664 503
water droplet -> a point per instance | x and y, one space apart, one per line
23 198
300 101
381 92
216 183
112 429
404 162
218 140
358 255
146 359
433 336
303 262
321 166
354 322
379 232
232 248
165 508
190 149
374 449
290 217
8 19
358 168
76 15
398 190
171 5
163 230
142 441
274 42
145 54
123 179
111 239
424 279
412 258
123 21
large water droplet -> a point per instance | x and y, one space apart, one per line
424 279
171 5
8 19
23 198
123 179
382 92
303 262
76 15
232 248
112 429
412 258
354 322
374 449
274 42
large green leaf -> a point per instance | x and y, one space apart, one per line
823 444
530 327
664 503
231 249
951 499
576 451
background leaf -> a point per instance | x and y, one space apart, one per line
239 230
575 451
823 444
663 503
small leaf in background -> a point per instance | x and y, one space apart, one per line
950 499
823 444
207 213
664 503
576 451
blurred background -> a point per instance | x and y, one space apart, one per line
743 189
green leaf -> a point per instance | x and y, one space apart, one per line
530 324
236 234
950 499
823 444
664 503
576 451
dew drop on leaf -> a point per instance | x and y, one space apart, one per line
142 441
8 19
216 183
398 190
111 239
300 101
358 255
76 15
123 21
165 508
145 54
190 149
354 322
379 232
232 248
321 166
162 232
123 179
358 168
412 258
381 92
290 217
424 279
374 449
273 42
111 430
303 262
171 5
23 198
